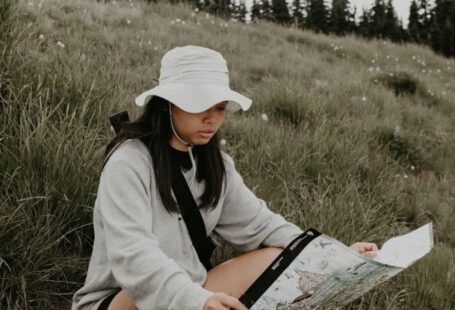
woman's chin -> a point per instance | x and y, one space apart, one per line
200 141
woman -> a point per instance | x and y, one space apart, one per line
143 257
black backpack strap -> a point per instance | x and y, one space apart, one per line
193 219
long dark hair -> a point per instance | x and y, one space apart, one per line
153 128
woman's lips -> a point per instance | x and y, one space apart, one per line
207 134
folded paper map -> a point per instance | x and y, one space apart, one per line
316 271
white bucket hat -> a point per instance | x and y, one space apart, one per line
195 78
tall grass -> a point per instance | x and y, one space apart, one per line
327 144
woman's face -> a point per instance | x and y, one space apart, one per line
196 128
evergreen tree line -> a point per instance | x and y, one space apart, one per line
433 26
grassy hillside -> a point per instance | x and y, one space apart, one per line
351 137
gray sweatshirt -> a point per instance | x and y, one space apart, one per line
146 251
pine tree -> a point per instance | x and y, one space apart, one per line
377 22
442 27
242 11
266 11
413 25
297 15
423 21
255 11
340 17
352 20
364 25
317 16
281 12
219 7
391 24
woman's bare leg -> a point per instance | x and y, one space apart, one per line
121 301
236 275
232 277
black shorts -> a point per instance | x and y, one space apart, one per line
107 301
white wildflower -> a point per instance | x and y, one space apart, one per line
60 44
172 22
128 21
193 14
131 5
155 48
149 42
412 167
183 22
223 142
41 37
438 71
413 57
207 16
405 176
397 131
423 70
178 20
196 10
140 44
373 61
226 25
364 99
387 57
264 117
391 74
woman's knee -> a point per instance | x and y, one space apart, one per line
237 274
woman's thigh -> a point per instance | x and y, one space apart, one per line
236 275
121 301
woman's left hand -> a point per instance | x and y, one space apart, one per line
365 248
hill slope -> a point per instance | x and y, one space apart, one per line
352 137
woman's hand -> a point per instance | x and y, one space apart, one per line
365 248
222 301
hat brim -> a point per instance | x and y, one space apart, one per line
196 99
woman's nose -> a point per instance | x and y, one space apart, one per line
213 115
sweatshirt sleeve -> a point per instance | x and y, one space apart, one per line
148 276
246 222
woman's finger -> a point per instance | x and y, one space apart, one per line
364 247
233 303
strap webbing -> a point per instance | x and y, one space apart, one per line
193 219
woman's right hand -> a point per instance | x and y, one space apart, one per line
222 301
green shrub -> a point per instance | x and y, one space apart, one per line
402 83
